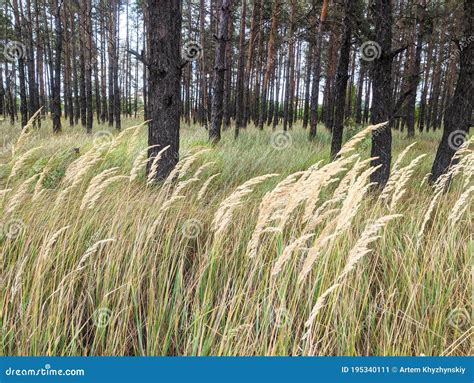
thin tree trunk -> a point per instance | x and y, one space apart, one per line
239 112
219 72
317 72
56 89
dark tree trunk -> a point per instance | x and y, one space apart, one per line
219 72
2 93
317 72
76 75
239 112
258 69
382 92
56 88
459 113
88 64
228 77
117 95
111 60
270 64
415 70
249 65
33 104
341 81
360 86
82 64
307 93
424 93
103 79
164 80
21 67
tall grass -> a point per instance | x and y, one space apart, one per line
259 246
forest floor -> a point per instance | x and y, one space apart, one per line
96 261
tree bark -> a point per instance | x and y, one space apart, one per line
459 112
219 72
239 112
56 88
382 92
317 72
341 81
164 80
415 70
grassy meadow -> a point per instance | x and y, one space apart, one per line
259 246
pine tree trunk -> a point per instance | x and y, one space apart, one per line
164 81
424 93
382 92
56 88
239 112
341 81
219 72
360 86
317 72
21 66
459 112
415 75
